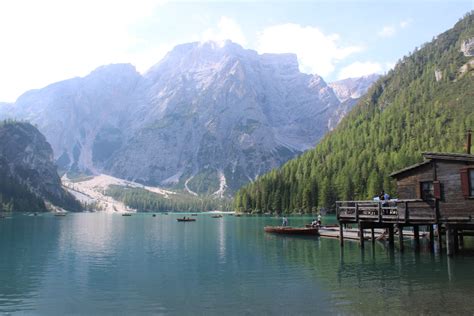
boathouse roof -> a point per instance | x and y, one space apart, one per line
429 156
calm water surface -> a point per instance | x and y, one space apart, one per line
108 264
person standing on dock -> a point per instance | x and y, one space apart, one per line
384 197
285 222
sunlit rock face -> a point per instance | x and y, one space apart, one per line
209 117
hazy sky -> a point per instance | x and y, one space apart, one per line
51 40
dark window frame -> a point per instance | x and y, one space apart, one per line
427 190
470 175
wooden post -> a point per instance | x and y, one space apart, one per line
449 241
361 235
357 212
416 235
430 229
440 237
341 234
455 239
400 236
461 239
372 231
406 212
380 212
390 237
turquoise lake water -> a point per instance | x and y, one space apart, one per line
92 263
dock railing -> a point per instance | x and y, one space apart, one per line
391 211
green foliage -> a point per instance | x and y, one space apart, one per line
146 201
207 182
405 113
16 197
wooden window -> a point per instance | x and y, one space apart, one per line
467 182
427 190
471 181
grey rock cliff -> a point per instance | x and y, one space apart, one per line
349 91
27 158
207 117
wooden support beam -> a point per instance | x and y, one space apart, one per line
391 242
372 231
357 212
400 237
440 236
455 238
361 235
341 234
416 235
430 229
380 212
449 241
461 238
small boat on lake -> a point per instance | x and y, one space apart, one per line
186 219
194 214
127 214
217 216
60 214
288 230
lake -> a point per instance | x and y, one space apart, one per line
93 263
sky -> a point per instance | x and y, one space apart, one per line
42 42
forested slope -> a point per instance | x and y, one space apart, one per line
426 103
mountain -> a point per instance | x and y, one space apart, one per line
353 88
349 91
424 104
209 117
28 176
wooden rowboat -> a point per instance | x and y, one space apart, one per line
291 230
186 219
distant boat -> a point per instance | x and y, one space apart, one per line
126 214
166 213
154 215
238 215
286 230
60 214
194 214
216 216
186 219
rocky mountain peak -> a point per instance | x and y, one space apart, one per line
208 116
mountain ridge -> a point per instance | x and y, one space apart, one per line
205 118
423 104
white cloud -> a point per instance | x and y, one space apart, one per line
50 40
387 31
359 69
227 29
391 30
403 24
317 52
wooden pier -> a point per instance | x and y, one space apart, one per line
437 193
385 218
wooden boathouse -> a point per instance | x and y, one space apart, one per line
438 192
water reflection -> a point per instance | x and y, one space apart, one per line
142 264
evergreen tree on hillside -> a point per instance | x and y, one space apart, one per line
406 112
